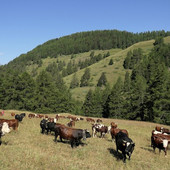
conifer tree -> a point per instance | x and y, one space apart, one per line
111 62
102 80
75 82
114 104
85 78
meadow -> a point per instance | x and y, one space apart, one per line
28 149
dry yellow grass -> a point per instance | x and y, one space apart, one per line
27 148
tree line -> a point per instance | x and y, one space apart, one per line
82 42
142 95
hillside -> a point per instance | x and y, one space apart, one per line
27 148
112 71
82 42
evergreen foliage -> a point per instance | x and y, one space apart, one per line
75 82
85 78
102 80
82 42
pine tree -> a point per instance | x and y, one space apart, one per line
114 104
87 105
102 80
111 62
75 82
85 78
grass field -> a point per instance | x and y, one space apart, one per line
28 149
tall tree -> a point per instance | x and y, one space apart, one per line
75 82
102 80
114 104
85 78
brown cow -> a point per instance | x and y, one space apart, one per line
115 131
71 123
12 114
113 124
160 141
102 129
31 115
90 120
98 120
162 129
13 123
71 134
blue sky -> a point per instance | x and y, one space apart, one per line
25 24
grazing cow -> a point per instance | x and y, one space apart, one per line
43 125
23 114
90 120
73 135
12 114
124 144
98 120
13 123
4 128
19 117
81 118
99 128
50 127
113 124
71 123
160 141
31 115
114 131
162 129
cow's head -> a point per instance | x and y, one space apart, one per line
86 134
5 128
129 147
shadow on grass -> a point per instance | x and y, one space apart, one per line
147 149
118 155
5 142
68 142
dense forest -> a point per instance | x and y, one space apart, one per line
143 94
82 42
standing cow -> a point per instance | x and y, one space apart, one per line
4 128
71 134
124 144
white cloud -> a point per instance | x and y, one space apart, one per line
1 53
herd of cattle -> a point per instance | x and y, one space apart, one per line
160 137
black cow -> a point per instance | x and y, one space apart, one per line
23 114
43 125
19 117
71 134
124 144
0 132
50 127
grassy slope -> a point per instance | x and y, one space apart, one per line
112 72
27 148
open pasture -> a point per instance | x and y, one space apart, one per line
28 149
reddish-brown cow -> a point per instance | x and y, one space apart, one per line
115 131
90 120
13 123
71 123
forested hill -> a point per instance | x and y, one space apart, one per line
82 42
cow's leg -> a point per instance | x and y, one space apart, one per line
0 141
124 157
72 143
56 135
165 152
61 139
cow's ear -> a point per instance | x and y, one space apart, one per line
133 143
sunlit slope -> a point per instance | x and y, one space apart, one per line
112 72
